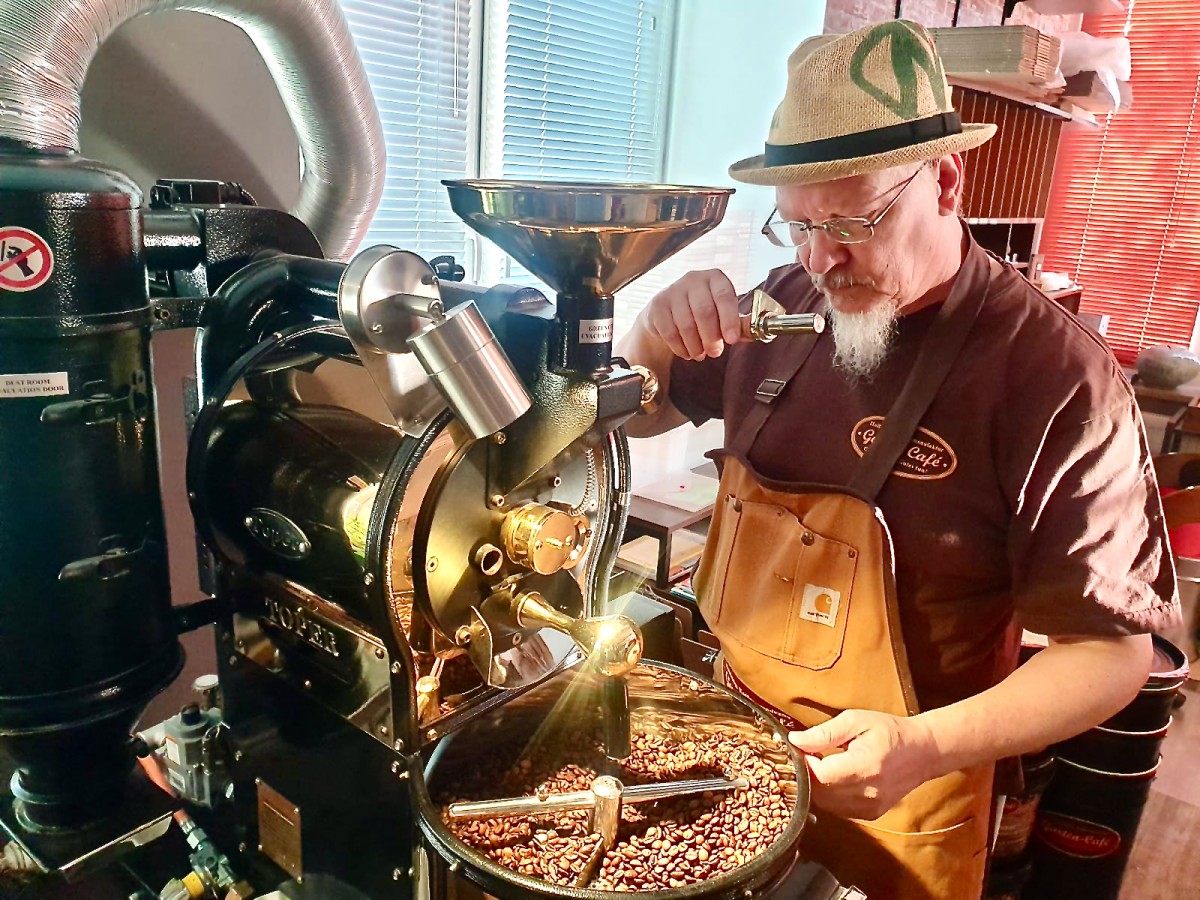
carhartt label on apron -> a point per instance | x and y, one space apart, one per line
820 604
927 458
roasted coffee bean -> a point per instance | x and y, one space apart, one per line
667 844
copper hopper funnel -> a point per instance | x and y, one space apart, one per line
587 241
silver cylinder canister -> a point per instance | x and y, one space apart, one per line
471 370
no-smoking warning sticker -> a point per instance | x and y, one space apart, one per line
26 260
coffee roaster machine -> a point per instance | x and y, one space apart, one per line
378 589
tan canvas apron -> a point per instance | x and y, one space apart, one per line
798 584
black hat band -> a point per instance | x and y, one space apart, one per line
864 143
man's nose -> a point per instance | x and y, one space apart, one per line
821 253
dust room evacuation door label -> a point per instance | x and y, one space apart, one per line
38 384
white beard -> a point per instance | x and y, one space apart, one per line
862 340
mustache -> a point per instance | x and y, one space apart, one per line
840 281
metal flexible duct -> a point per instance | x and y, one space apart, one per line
47 45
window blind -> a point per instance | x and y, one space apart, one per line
416 55
576 90
583 89
1124 216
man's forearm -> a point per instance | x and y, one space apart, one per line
639 347
1062 691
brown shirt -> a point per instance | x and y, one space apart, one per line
1027 498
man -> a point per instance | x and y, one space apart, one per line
956 458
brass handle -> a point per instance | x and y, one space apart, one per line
767 320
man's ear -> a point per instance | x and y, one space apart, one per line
951 175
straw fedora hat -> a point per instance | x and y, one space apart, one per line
857 103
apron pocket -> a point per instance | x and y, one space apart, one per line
711 579
946 864
786 588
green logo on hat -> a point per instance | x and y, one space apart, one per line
909 53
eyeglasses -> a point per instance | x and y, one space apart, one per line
843 230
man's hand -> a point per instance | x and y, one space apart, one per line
692 319
863 763
696 316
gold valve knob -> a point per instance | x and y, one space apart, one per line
543 538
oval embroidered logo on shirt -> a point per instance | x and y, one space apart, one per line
928 456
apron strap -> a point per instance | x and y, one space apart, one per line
939 350
769 390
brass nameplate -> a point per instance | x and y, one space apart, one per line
279 837
295 620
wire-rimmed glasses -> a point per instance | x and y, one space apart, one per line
843 229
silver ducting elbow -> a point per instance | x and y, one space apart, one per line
47 45
308 49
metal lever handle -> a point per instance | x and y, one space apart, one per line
638 793
801 323
767 320
110 564
647 793
613 643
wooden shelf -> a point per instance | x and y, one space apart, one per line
998 91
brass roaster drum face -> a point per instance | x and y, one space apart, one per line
451 551
308 483
538 744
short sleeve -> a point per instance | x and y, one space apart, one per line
697 388
1087 543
